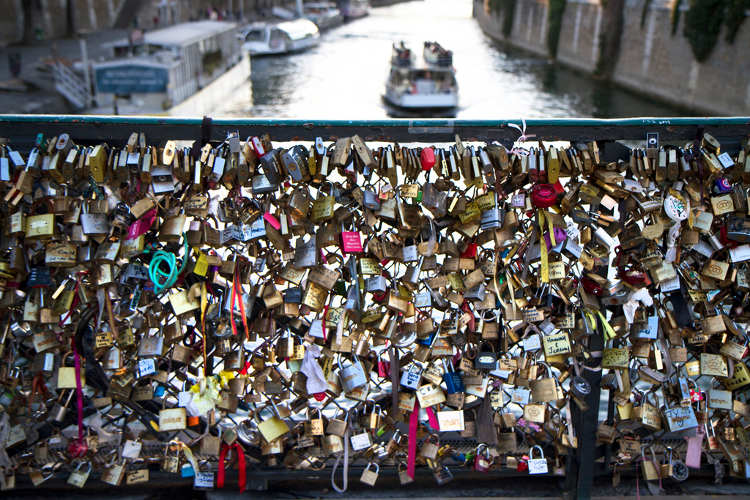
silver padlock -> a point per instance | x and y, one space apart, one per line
79 476
411 276
371 200
94 224
376 284
411 377
295 161
352 376
479 292
59 411
305 253
492 218
261 185
537 465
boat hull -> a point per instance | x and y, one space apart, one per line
292 46
422 101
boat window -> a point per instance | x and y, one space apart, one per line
277 38
255 36
211 61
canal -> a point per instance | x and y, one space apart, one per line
344 77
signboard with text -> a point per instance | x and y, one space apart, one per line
131 79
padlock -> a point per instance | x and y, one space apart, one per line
352 376
274 427
486 357
453 381
411 377
370 476
649 469
647 414
59 411
403 474
79 476
482 459
93 224
545 389
537 465
430 447
66 375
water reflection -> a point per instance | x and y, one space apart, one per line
344 76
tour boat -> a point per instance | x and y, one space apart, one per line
353 9
279 38
428 82
152 72
325 15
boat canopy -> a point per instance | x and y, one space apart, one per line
298 29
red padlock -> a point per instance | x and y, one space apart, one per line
470 252
482 459
427 157
543 195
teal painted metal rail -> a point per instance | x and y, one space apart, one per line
23 128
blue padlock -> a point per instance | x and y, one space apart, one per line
428 340
187 471
453 381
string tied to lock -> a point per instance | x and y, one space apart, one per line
523 137
166 279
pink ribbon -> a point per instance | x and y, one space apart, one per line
78 447
523 423
432 418
411 459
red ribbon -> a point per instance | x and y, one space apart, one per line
411 460
235 293
37 387
323 326
240 465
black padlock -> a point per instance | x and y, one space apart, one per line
486 358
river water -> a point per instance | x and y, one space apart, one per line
344 77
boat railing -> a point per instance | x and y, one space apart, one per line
71 86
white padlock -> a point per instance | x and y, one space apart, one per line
537 465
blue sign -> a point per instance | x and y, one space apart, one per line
131 79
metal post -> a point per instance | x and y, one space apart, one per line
586 421
300 10
85 61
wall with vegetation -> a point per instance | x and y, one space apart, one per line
692 53
693 65
522 23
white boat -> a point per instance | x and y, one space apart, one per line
153 72
325 15
353 9
428 82
279 38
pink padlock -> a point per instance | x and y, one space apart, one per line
351 242
268 217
